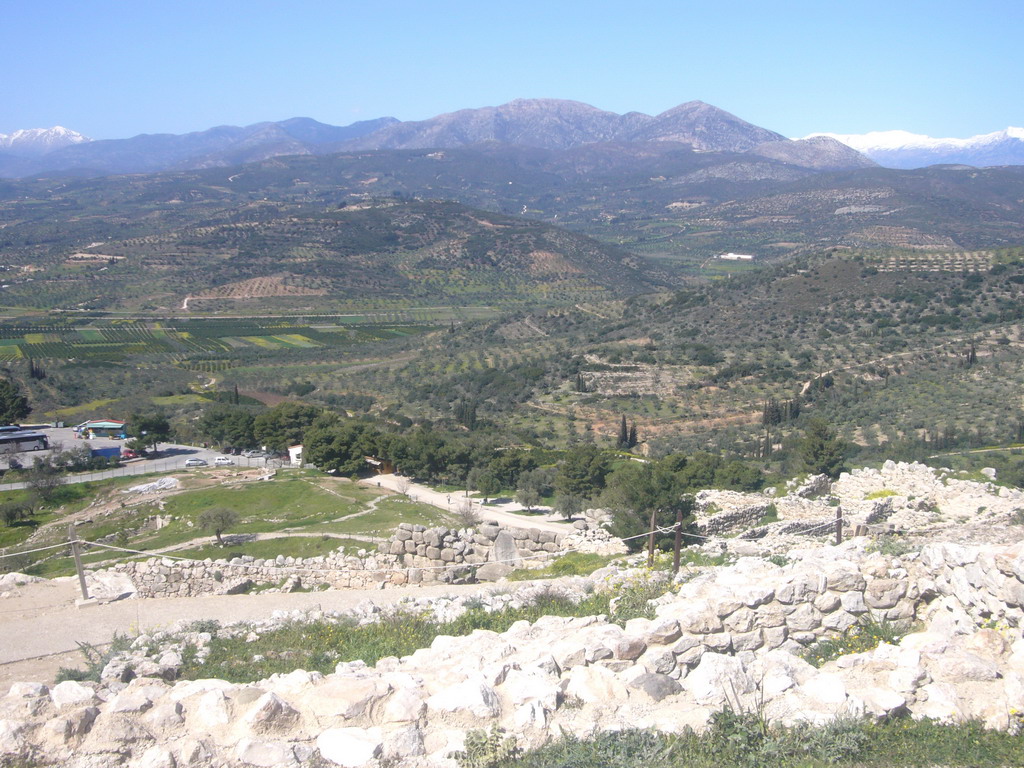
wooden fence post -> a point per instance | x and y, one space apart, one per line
73 539
678 543
650 538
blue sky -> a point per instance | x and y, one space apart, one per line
116 69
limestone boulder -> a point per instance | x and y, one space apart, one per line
350 747
471 698
594 685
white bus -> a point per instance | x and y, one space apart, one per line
12 441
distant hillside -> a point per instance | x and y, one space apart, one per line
221 146
142 253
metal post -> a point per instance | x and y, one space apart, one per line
677 545
839 526
650 539
73 539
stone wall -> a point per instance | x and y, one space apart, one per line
414 554
734 520
421 547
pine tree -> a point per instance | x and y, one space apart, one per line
821 450
632 436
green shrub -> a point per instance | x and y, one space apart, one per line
487 749
892 546
865 635
95 660
771 515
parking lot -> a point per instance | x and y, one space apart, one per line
169 457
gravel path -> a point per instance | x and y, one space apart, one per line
42 625
503 513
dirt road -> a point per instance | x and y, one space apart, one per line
42 626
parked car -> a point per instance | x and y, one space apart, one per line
222 461
128 453
195 462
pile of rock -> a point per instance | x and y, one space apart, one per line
731 636
905 496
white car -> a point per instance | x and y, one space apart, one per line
222 461
195 463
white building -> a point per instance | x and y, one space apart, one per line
736 257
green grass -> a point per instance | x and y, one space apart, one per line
66 499
304 501
746 741
320 645
389 513
572 564
884 493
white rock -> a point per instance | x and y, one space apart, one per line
403 743
405 705
270 712
27 690
524 686
343 697
960 667
531 715
69 693
351 747
209 709
157 757
718 679
826 689
12 741
265 754
594 685
880 701
471 697
939 701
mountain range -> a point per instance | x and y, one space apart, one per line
553 124
902 149
537 123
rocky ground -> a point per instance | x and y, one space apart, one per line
740 635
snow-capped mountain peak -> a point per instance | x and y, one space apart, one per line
902 149
39 141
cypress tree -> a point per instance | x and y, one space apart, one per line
623 441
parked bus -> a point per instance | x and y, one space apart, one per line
22 440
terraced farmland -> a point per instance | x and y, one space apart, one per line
200 344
